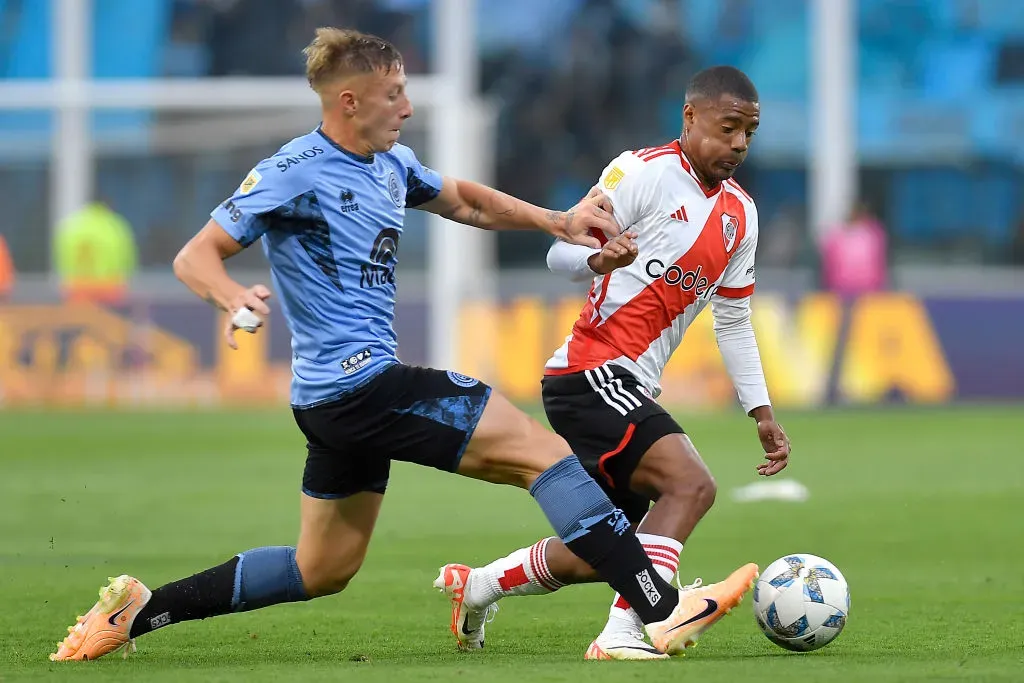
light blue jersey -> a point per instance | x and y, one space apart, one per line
331 221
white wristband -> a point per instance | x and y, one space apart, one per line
245 319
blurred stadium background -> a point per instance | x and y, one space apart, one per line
888 174
157 109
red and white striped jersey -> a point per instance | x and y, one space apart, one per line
694 244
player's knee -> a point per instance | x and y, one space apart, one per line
678 473
517 455
696 486
703 491
542 448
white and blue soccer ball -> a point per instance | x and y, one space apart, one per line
801 602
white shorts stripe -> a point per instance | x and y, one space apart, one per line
597 384
615 387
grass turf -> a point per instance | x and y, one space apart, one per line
921 509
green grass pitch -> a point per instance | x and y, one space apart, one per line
923 510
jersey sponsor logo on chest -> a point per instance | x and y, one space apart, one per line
293 160
687 280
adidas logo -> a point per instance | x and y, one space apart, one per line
680 214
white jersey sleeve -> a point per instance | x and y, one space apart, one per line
739 276
627 181
571 260
632 196
730 306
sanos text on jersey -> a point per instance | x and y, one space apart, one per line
286 163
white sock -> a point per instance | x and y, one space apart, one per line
524 572
664 554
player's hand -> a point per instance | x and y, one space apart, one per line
590 217
616 253
253 299
776 447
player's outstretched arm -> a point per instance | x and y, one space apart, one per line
200 265
582 263
484 207
736 341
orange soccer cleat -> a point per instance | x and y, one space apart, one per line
699 608
467 623
106 627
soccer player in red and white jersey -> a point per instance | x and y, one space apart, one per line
688 237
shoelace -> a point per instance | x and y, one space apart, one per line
491 612
689 587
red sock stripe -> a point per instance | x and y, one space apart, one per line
544 566
621 603
533 566
538 562
667 565
661 548
663 556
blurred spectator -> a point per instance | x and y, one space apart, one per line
247 37
853 255
6 271
95 254
1017 245
781 242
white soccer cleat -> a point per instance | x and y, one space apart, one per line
467 623
622 646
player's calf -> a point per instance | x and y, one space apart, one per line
672 474
333 540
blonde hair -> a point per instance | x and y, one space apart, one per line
337 52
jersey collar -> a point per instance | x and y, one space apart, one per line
351 155
688 167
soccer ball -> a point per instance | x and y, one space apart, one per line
801 602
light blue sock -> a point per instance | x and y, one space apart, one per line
572 501
266 576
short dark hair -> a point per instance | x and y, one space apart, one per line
716 81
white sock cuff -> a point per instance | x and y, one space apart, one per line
663 552
538 560
666 543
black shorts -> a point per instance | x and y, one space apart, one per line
609 421
405 413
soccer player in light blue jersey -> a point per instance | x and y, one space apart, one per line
328 209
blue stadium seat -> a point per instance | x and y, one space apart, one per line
117 53
931 205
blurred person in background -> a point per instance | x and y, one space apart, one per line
95 254
853 255
1017 244
6 271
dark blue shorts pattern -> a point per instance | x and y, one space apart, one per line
405 413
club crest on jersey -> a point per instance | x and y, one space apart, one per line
462 380
612 178
395 189
250 181
729 227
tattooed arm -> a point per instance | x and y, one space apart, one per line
484 207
